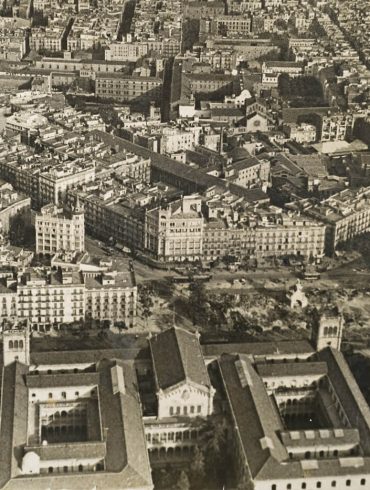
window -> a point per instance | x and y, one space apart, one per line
318 484
50 395
10 344
65 469
304 485
64 394
333 483
171 410
50 469
363 481
199 409
289 486
348 483
273 487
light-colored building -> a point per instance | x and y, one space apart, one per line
345 214
174 233
185 389
111 296
76 421
50 297
301 133
57 230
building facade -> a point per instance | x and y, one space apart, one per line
57 230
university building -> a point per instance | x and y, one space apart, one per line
296 419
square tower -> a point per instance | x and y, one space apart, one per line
327 329
16 346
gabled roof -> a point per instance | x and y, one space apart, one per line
255 417
177 357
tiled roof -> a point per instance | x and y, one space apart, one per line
126 462
350 396
55 380
256 421
73 450
298 369
260 349
177 357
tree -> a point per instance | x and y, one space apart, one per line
197 468
198 302
146 302
182 482
215 448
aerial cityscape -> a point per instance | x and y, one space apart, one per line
184 245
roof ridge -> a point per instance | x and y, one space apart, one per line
181 354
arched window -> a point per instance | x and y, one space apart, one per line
21 344
321 454
307 455
63 413
326 331
50 469
16 344
10 344
363 481
64 394
80 467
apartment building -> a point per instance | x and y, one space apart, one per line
58 230
335 127
53 38
175 233
48 297
54 183
174 139
126 88
111 296
345 214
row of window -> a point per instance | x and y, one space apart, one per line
185 410
319 484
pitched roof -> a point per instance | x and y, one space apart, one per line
177 357
255 417
126 458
